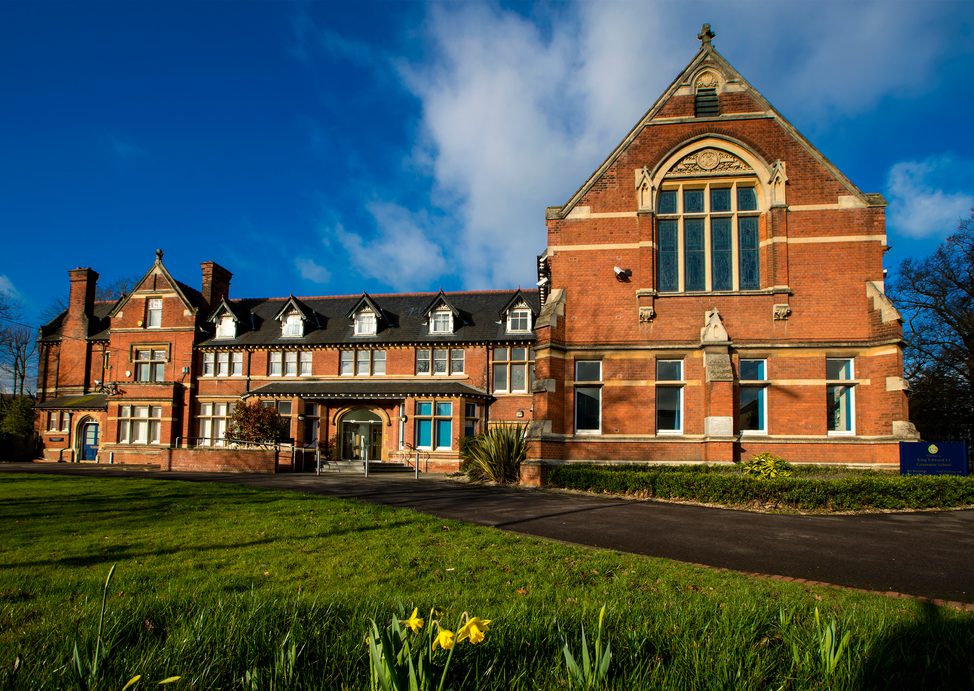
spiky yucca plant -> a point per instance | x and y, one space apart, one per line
496 455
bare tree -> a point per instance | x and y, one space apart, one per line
17 348
936 297
115 289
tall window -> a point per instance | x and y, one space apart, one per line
434 424
153 313
139 424
669 396
708 237
513 370
150 365
752 412
471 420
439 361
840 395
213 423
588 396
274 363
362 362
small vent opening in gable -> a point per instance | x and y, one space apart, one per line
707 104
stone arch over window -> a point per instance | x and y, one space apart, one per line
340 413
709 195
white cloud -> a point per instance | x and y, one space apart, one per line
928 197
7 288
517 110
404 252
310 270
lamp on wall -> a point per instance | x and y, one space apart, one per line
622 275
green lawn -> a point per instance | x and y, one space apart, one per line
212 579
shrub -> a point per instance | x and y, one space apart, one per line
255 423
496 455
839 493
766 466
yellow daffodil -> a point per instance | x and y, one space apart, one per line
444 639
474 630
415 622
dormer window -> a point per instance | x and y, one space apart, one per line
293 325
441 321
365 323
226 327
519 320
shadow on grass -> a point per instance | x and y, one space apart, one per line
933 653
112 554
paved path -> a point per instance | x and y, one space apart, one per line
928 554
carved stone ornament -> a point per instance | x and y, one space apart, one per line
707 80
781 311
713 330
646 315
709 161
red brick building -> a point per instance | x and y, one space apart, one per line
154 377
715 290
712 291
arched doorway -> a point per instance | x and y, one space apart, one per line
88 440
361 435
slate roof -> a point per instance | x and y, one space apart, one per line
95 401
479 320
350 388
97 325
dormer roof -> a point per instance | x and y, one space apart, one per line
366 301
292 304
440 302
226 308
517 300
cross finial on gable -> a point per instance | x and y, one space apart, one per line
705 35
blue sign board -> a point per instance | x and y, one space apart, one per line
933 458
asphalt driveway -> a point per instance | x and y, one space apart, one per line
928 554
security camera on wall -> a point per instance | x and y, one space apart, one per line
622 274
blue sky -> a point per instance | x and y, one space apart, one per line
330 148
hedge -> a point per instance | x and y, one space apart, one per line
840 493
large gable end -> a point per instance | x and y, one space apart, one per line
711 92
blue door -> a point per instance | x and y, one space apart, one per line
89 441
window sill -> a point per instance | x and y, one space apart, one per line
669 433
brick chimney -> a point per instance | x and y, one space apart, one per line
81 302
216 282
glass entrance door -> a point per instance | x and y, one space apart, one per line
361 436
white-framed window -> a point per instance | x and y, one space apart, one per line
588 396
519 320
439 361
153 313
289 363
213 419
365 323
513 370
293 325
139 424
283 408
150 365
669 396
362 362
752 409
226 327
53 421
434 425
223 364
275 362
441 321
708 236
840 396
